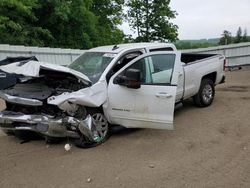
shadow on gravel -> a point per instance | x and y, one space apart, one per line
119 130
235 89
184 107
26 136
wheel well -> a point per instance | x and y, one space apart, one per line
211 76
93 110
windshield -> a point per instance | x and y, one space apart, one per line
92 64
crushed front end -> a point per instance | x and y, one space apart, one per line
28 109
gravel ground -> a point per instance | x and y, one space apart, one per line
210 147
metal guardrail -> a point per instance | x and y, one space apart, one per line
237 54
52 55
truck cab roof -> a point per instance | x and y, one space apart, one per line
131 46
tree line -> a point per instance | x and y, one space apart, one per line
227 38
84 24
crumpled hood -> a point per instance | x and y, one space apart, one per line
32 69
92 96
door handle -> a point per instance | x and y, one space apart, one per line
163 95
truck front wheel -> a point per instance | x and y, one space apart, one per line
206 93
103 130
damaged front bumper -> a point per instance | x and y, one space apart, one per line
48 125
20 100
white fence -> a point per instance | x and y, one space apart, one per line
51 55
236 54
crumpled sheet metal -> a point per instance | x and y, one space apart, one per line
50 126
88 128
32 68
93 96
20 100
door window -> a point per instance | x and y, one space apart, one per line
156 69
124 60
161 49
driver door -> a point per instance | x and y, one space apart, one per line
151 105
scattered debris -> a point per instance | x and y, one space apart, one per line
89 180
223 130
67 147
245 148
151 166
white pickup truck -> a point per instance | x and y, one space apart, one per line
132 85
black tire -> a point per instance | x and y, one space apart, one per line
206 93
84 142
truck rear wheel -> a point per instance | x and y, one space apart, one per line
206 93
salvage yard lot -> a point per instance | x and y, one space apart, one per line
210 147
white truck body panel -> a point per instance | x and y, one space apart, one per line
151 106
190 75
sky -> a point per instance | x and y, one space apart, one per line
203 19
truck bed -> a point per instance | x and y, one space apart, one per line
194 68
190 58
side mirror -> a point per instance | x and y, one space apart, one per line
131 79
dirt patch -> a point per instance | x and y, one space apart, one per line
245 98
235 88
2 105
223 130
190 145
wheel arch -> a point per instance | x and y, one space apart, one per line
199 99
212 76
101 109
92 110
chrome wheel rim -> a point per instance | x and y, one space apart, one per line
101 124
207 93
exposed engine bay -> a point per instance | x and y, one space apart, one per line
54 103
41 88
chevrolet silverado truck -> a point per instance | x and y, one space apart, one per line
132 85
